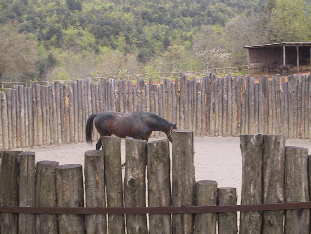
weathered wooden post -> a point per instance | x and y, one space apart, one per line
206 195
227 222
94 173
9 190
183 179
251 148
159 185
135 184
27 174
69 193
273 181
46 196
296 189
114 184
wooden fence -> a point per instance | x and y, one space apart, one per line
212 106
271 173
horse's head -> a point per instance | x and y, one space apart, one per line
169 134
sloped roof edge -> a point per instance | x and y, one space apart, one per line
279 44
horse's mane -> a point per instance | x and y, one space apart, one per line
158 119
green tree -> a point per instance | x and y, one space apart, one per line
288 22
18 53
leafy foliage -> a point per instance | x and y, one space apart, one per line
111 37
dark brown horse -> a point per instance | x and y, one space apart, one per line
138 124
285 67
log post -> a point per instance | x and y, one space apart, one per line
159 185
114 185
183 179
9 191
206 195
227 222
27 174
273 181
296 189
251 147
95 190
46 196
135 183
69 193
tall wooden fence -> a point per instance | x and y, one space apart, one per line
229 106
271 174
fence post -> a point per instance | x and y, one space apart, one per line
206 195
27 172
159 186
69 193
9 190
94 173
183 179
135 183
273 181
296 189
46 196
227 222
251 148
114 185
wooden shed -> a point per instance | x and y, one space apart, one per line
268 57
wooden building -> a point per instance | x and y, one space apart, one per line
268 57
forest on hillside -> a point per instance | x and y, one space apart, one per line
74 39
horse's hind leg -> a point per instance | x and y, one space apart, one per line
99 144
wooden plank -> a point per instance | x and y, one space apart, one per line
225 107
198 111
43 95
135 183
251 105
251 148
9 190
183 179
114 187
290 108
220 106
27 192
80 110
159 187
299 108
261 106
306 108
206 195
46 196
234 120
230 110
273 181
9 108
256 108
227 221
21 116
213 108
69 193
94 172
72 127
243 107
296 189
4 117
13 120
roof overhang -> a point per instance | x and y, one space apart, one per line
279 45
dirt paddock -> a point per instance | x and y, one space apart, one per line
216 158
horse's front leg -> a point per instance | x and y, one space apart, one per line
99 144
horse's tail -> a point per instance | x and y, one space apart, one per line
89 128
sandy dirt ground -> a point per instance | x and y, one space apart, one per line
215 158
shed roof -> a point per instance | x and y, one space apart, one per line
279 44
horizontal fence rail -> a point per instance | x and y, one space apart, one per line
210 106
154 210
